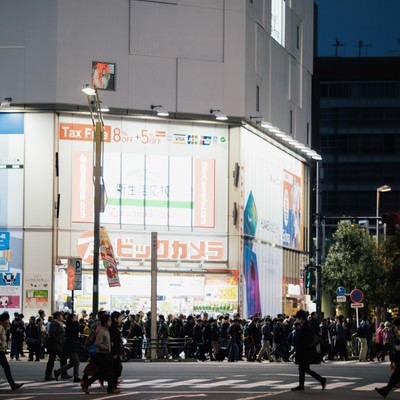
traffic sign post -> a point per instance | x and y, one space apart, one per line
356 296
340 291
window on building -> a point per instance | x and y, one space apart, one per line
278 15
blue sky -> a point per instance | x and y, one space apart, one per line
375 22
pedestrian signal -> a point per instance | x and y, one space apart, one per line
310 280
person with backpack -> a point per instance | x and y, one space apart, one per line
387 336
395 361
379 341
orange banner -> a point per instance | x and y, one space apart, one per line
81 132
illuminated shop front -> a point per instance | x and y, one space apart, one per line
173 178
164 177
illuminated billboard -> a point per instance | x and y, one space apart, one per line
159 176
272 200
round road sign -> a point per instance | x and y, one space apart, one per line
340 291
356 296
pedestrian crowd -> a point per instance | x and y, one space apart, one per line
104 340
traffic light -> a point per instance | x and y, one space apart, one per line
310 280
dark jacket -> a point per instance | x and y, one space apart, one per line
33 334
56 338
303 344
116 339
72 342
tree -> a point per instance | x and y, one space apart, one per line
352 262
389 258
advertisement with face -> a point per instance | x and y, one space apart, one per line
272 220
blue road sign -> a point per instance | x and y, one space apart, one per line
340 291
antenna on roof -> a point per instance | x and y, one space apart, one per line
336 45
361 45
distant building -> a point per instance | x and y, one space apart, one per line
357 103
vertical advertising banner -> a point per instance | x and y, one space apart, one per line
204 193
272 219
250 266
109 261
291 210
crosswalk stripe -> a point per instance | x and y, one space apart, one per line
256 384
334 385
188 382
368 388
274 385
145 383
219 383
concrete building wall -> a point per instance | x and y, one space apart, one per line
187 55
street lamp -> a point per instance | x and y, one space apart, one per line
96 115
379 190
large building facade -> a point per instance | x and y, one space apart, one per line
359 133
229 199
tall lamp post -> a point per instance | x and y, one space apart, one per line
379 190
98 141
318 283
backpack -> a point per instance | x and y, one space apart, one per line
90 342
386 335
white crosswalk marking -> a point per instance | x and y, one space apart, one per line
334 385
371 386
227 382
237 382
188 382
256 384
145 383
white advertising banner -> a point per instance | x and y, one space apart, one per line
172 178
272 203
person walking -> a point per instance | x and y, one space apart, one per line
71 348
102 360
379 341
4 324
55 345
395 361
116 346
33 337
305 351
266 332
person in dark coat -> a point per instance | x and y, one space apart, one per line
71 348
33 339
17 331
305 351
55 345
395 361
117 346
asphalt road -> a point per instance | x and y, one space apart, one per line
209 381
